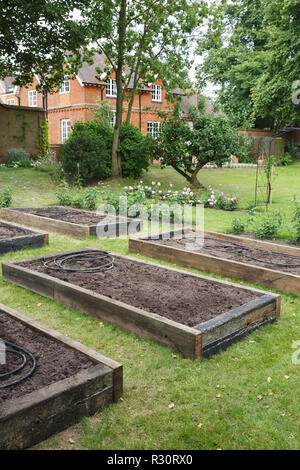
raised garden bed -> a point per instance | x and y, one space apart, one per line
275 266
70 381
14 238
72 222
193 314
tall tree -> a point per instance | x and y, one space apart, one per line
143 40
42 37
251 51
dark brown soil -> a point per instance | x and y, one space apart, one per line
178 296
74 216
55 361
238 252
9 231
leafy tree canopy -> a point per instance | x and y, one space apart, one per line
142 40
41 37
212 139
251 50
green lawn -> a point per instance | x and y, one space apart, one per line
245 397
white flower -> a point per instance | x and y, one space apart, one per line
126 187
191 194
158 184
130 188
171 185
153 183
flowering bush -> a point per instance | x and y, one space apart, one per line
220 201
154 192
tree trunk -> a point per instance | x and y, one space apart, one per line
116 169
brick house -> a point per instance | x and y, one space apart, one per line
76 97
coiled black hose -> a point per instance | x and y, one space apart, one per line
21 352
100 261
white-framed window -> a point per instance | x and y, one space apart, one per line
111 88
156 93
153 128
32 98
65 127
112 120
65 86
11 101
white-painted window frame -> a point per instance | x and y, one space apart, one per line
32 98
65 86
156 93
65 129
154 128
111 88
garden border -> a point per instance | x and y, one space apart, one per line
33 417
285 282
68 228
31 240
192 342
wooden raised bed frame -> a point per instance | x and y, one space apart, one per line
67 228
200 341
285 282
31 240
32 418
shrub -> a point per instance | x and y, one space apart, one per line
267 225
15 157
296 225
64 194
135 151
220 201
88 152
238 226
6 197
84 198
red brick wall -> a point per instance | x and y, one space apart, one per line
76 105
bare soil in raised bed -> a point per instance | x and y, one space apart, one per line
74 216
175 295
9 231
238 252
55 361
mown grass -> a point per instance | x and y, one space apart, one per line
245 397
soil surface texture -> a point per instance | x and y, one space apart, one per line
178 296
74 216
235 251
55 361
9 231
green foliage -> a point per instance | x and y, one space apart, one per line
237 226
135 151
296 224
250 52
87 152
13 156
6 197
268 224
213 139
37 36
86 155
44 140
80 198
220 201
